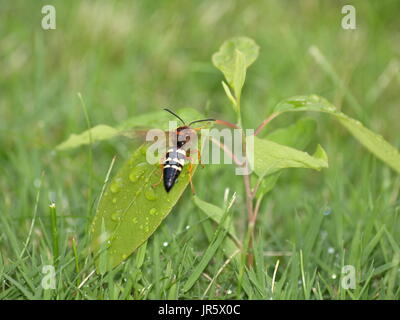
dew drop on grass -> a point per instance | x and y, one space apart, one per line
124 256
153 211
327 211
37 183
134 220
114 200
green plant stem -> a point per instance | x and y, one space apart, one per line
249 194
265 122
89 125
54 233
75 250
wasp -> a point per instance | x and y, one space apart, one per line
177 155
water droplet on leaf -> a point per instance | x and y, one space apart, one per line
115 217
137 172
115 186
150 194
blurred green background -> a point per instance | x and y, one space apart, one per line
130 57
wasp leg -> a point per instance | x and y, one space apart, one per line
199 157
190 178
190 170
161 177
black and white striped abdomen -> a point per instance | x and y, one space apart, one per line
173 164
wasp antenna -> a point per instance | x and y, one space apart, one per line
171 112
202 120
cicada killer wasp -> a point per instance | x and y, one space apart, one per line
179 151
177 154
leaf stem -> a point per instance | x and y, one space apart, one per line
265 122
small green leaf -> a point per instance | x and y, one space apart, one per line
230 244
304 103
156 119
132 209
215 213
216 242
268 183
269 157
103 253
233 58
297 135
140 255
240 74
375 143
97 133
320 154
159 119
206 258
229 95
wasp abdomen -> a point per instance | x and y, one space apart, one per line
173 164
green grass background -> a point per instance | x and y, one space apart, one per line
130 57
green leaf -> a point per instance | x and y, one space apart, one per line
229 95
206 258
268 183
375 143
157 119
230 244
131 209
240 74
216 242
305 103
269 157
233 58
297 135
215 213
97 133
